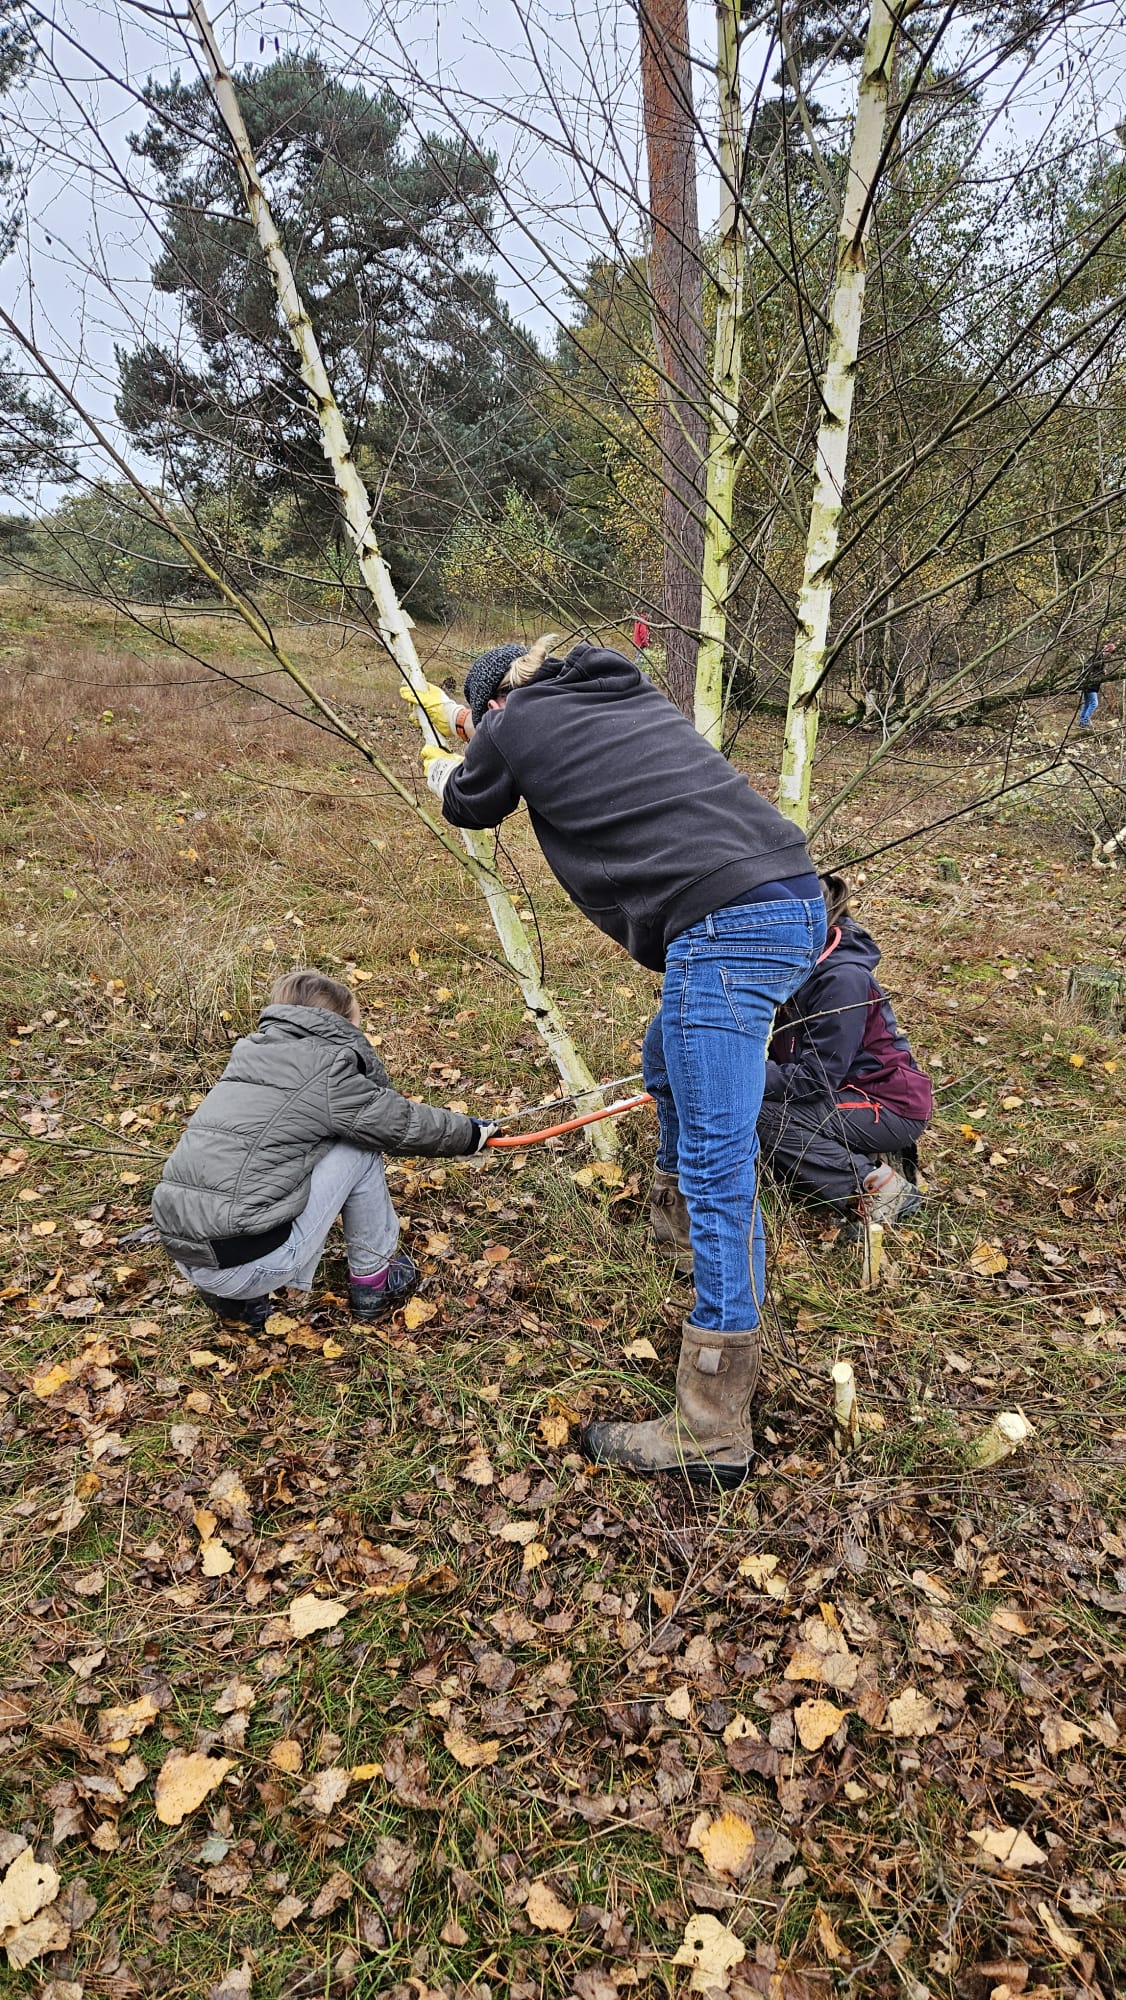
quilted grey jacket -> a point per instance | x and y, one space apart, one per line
306 1079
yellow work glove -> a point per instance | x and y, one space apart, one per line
439 767
447 716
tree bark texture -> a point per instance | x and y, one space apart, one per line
677 295
727 360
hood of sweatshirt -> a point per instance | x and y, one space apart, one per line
287 1024
854 945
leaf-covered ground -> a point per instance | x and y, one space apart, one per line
328 1665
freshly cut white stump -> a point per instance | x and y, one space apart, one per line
846 1413
873 1255
1005 1434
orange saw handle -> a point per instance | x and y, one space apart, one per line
572 1124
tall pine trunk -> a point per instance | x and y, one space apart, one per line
676 292
727 368
837 389
393 622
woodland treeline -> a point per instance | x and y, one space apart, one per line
520 474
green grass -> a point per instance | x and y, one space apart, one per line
344 1453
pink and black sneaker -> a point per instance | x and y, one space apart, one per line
376 1296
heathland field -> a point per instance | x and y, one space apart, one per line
328 1665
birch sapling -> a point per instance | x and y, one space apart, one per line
727 359
837 389
393 621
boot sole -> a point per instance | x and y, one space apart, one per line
702 1473
729 1477
383 1311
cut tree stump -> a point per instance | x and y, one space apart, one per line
947 869
1098 992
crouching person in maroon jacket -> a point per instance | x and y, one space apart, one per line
843 1090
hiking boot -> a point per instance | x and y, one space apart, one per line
707 1435
888 1197
370 1302
246 1313
668 1219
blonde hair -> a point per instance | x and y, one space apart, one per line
313 989
528 665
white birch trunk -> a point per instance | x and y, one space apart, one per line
727 366
816 594
393 622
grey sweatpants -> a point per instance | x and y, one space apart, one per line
350 1183
827 1150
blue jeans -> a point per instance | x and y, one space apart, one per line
705 1065
1087 708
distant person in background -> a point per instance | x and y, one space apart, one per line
1096 672
842 1087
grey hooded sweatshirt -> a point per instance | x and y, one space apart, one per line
240 1174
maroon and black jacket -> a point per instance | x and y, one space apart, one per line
838 1037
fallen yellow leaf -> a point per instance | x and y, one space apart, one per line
309 1614
710 1950
1059 1734
470 1755
987 1261
1009 1845
478 1468
28 1886
186 1779
51 1380
726 1843
1010 1621
641 1350
816 1722
823 1655
1065 1941
599 1170
764 1573
544 1909
287 1755
118 1723
831 1943
416 1312
913 1714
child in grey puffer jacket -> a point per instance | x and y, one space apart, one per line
291 1136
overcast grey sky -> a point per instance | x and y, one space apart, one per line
551 86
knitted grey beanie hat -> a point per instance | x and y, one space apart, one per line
485 676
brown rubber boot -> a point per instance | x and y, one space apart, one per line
707 1436
668 1219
